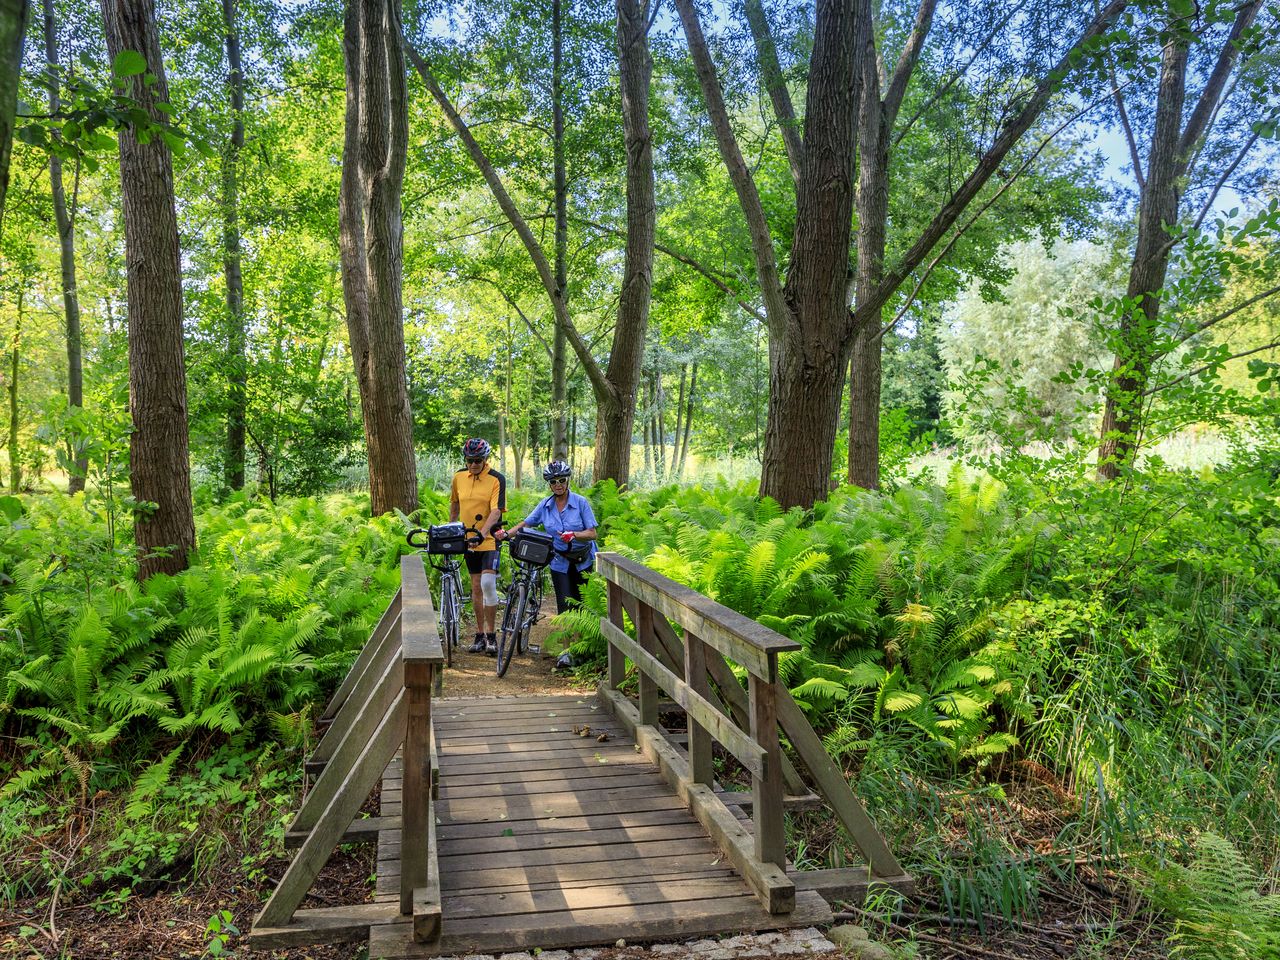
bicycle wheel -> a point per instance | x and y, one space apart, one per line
449 611
511 626
531 607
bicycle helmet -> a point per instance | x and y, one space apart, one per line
475 448
556 470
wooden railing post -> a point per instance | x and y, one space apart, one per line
617 663
695 674
648 643
766 811
416 800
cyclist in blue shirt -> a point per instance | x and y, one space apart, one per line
568 517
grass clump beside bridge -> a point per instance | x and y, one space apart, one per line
1025 682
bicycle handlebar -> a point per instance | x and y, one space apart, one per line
475 537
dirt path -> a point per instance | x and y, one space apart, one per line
472 674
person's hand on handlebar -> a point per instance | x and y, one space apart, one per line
567 536
499 534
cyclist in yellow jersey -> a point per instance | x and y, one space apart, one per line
478 497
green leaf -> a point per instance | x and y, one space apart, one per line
129 63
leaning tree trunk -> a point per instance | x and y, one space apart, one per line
1159 211
236 365
159 468
15 368
66 249
13 29
374 259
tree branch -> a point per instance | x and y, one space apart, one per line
1125 125
1226 174
907 61
1198 122
775 83
778 317
511 303
990 162
594 373
1209 366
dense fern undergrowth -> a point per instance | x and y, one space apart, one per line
1116 645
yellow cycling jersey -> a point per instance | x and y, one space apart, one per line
477 497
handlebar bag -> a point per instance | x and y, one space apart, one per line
447 538
532 546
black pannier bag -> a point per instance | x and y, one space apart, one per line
532 546
447 538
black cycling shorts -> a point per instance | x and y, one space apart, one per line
480 561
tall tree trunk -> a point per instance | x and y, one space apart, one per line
15 361
675 437
373 261
13 31
236 364
66 248
159 467
647 425
659 423
504 415
616 408
688 417
1167 164
560 187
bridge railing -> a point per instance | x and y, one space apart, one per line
684 642
382 705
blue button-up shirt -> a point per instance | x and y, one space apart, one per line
576 515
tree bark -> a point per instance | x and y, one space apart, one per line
688 418
373 245
616 409
159 467
236 365
1158 214
15 362
13 30
66 249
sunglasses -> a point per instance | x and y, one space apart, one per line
558 481
475 459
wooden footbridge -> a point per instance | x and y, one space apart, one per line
518 822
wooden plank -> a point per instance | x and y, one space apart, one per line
359 831
580 786
831 783
695 671
415 809
743 799
530 732
338 813
605 820
736 636
520 766
502 879
767 880
617 664
849 883
449 704
363 689
647 680
419 636
580 751
688 829
541 772
557 805
494 711
428 919
324 925
368 653
766 787
604 925
749 753
634 893
583 881
702 849
353 741
735 698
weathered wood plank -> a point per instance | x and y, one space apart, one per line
849 883
617 664
415 802
367 653
699 738
737 637
419 635
336 816
766 786
684 829
749 753
557 805
360 831
604 925
634 893
325 925
582 785
594 821
767 880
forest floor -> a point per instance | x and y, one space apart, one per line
1090 917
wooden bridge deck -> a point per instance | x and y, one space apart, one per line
550 837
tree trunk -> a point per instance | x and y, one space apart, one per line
13 30
647 425
236 366
616 408
560 187
382 136
1167 163
659 423
688 417
66 249
159 467
675 437
806 375
15 361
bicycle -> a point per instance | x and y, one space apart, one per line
530 552
449 541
